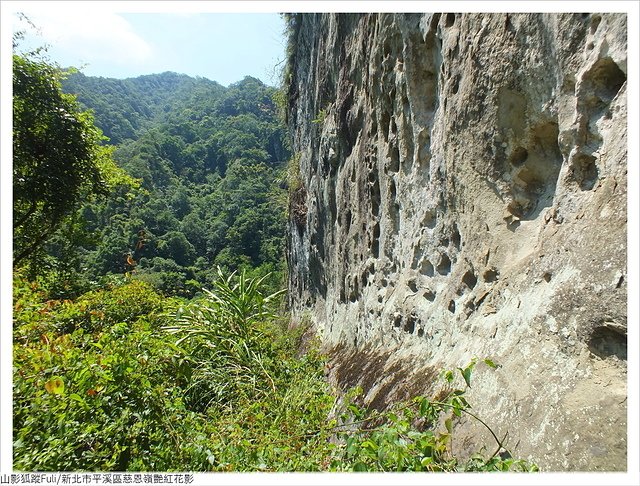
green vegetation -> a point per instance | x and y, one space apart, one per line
137 396
58 160
123 379
207 159
320 117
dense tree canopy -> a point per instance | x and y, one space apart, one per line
209 160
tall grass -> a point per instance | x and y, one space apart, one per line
223 337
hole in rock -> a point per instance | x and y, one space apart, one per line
397 321
374 191
455 85
547 276
450 20
452 307
410 325
395 217
392 190
386 49
469 279
353 294
518 156
607 341
429 295
426 268
429 219
585 171
376 231
539 165
413 285
365 278
490 275
385 119
347 221
603 81
444 265
375 248
417 253
420 332
455 237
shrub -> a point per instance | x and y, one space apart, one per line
117 404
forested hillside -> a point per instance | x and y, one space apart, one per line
209 162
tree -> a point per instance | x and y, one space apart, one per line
175 245
58 160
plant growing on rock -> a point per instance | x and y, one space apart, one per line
407 438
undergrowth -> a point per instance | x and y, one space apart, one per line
123 379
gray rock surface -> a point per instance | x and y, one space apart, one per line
463 194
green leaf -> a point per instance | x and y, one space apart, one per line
449 425
360 467
463 402
424 407
351 446
368 444
55 386
490 363
357 411
425 461
449 376
466 374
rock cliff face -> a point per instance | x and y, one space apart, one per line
463 194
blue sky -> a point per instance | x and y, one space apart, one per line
223 47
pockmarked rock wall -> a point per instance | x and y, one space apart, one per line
463 183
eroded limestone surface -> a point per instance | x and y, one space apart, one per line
464 182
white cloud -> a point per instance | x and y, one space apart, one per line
92 34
